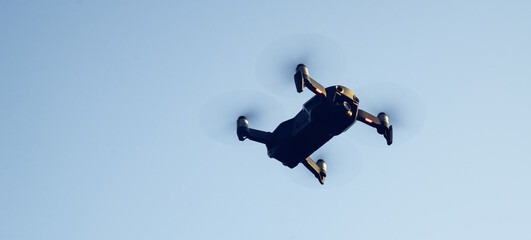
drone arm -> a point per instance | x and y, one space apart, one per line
318 169
244 132
260 136
368 119
315 87
303 79
381 123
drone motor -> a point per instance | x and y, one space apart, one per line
384 120
384 128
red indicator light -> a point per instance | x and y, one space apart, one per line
368 120
319 91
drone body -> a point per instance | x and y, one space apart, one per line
327 114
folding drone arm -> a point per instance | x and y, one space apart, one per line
244 132
303 79
318 169
381 123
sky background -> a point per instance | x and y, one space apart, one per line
108 115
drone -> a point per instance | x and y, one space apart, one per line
332 111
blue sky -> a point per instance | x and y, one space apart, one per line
103 133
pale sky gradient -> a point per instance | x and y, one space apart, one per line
103 133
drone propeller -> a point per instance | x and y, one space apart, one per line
276 64
403 106
218 115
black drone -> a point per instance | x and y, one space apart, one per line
327 114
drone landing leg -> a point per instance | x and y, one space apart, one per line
318 169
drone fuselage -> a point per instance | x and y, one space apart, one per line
321 118
327 114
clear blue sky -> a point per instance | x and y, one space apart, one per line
102 134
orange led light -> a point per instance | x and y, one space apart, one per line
319 90
368 120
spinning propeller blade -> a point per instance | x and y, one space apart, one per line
342 169
276 64
404 107
219 114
